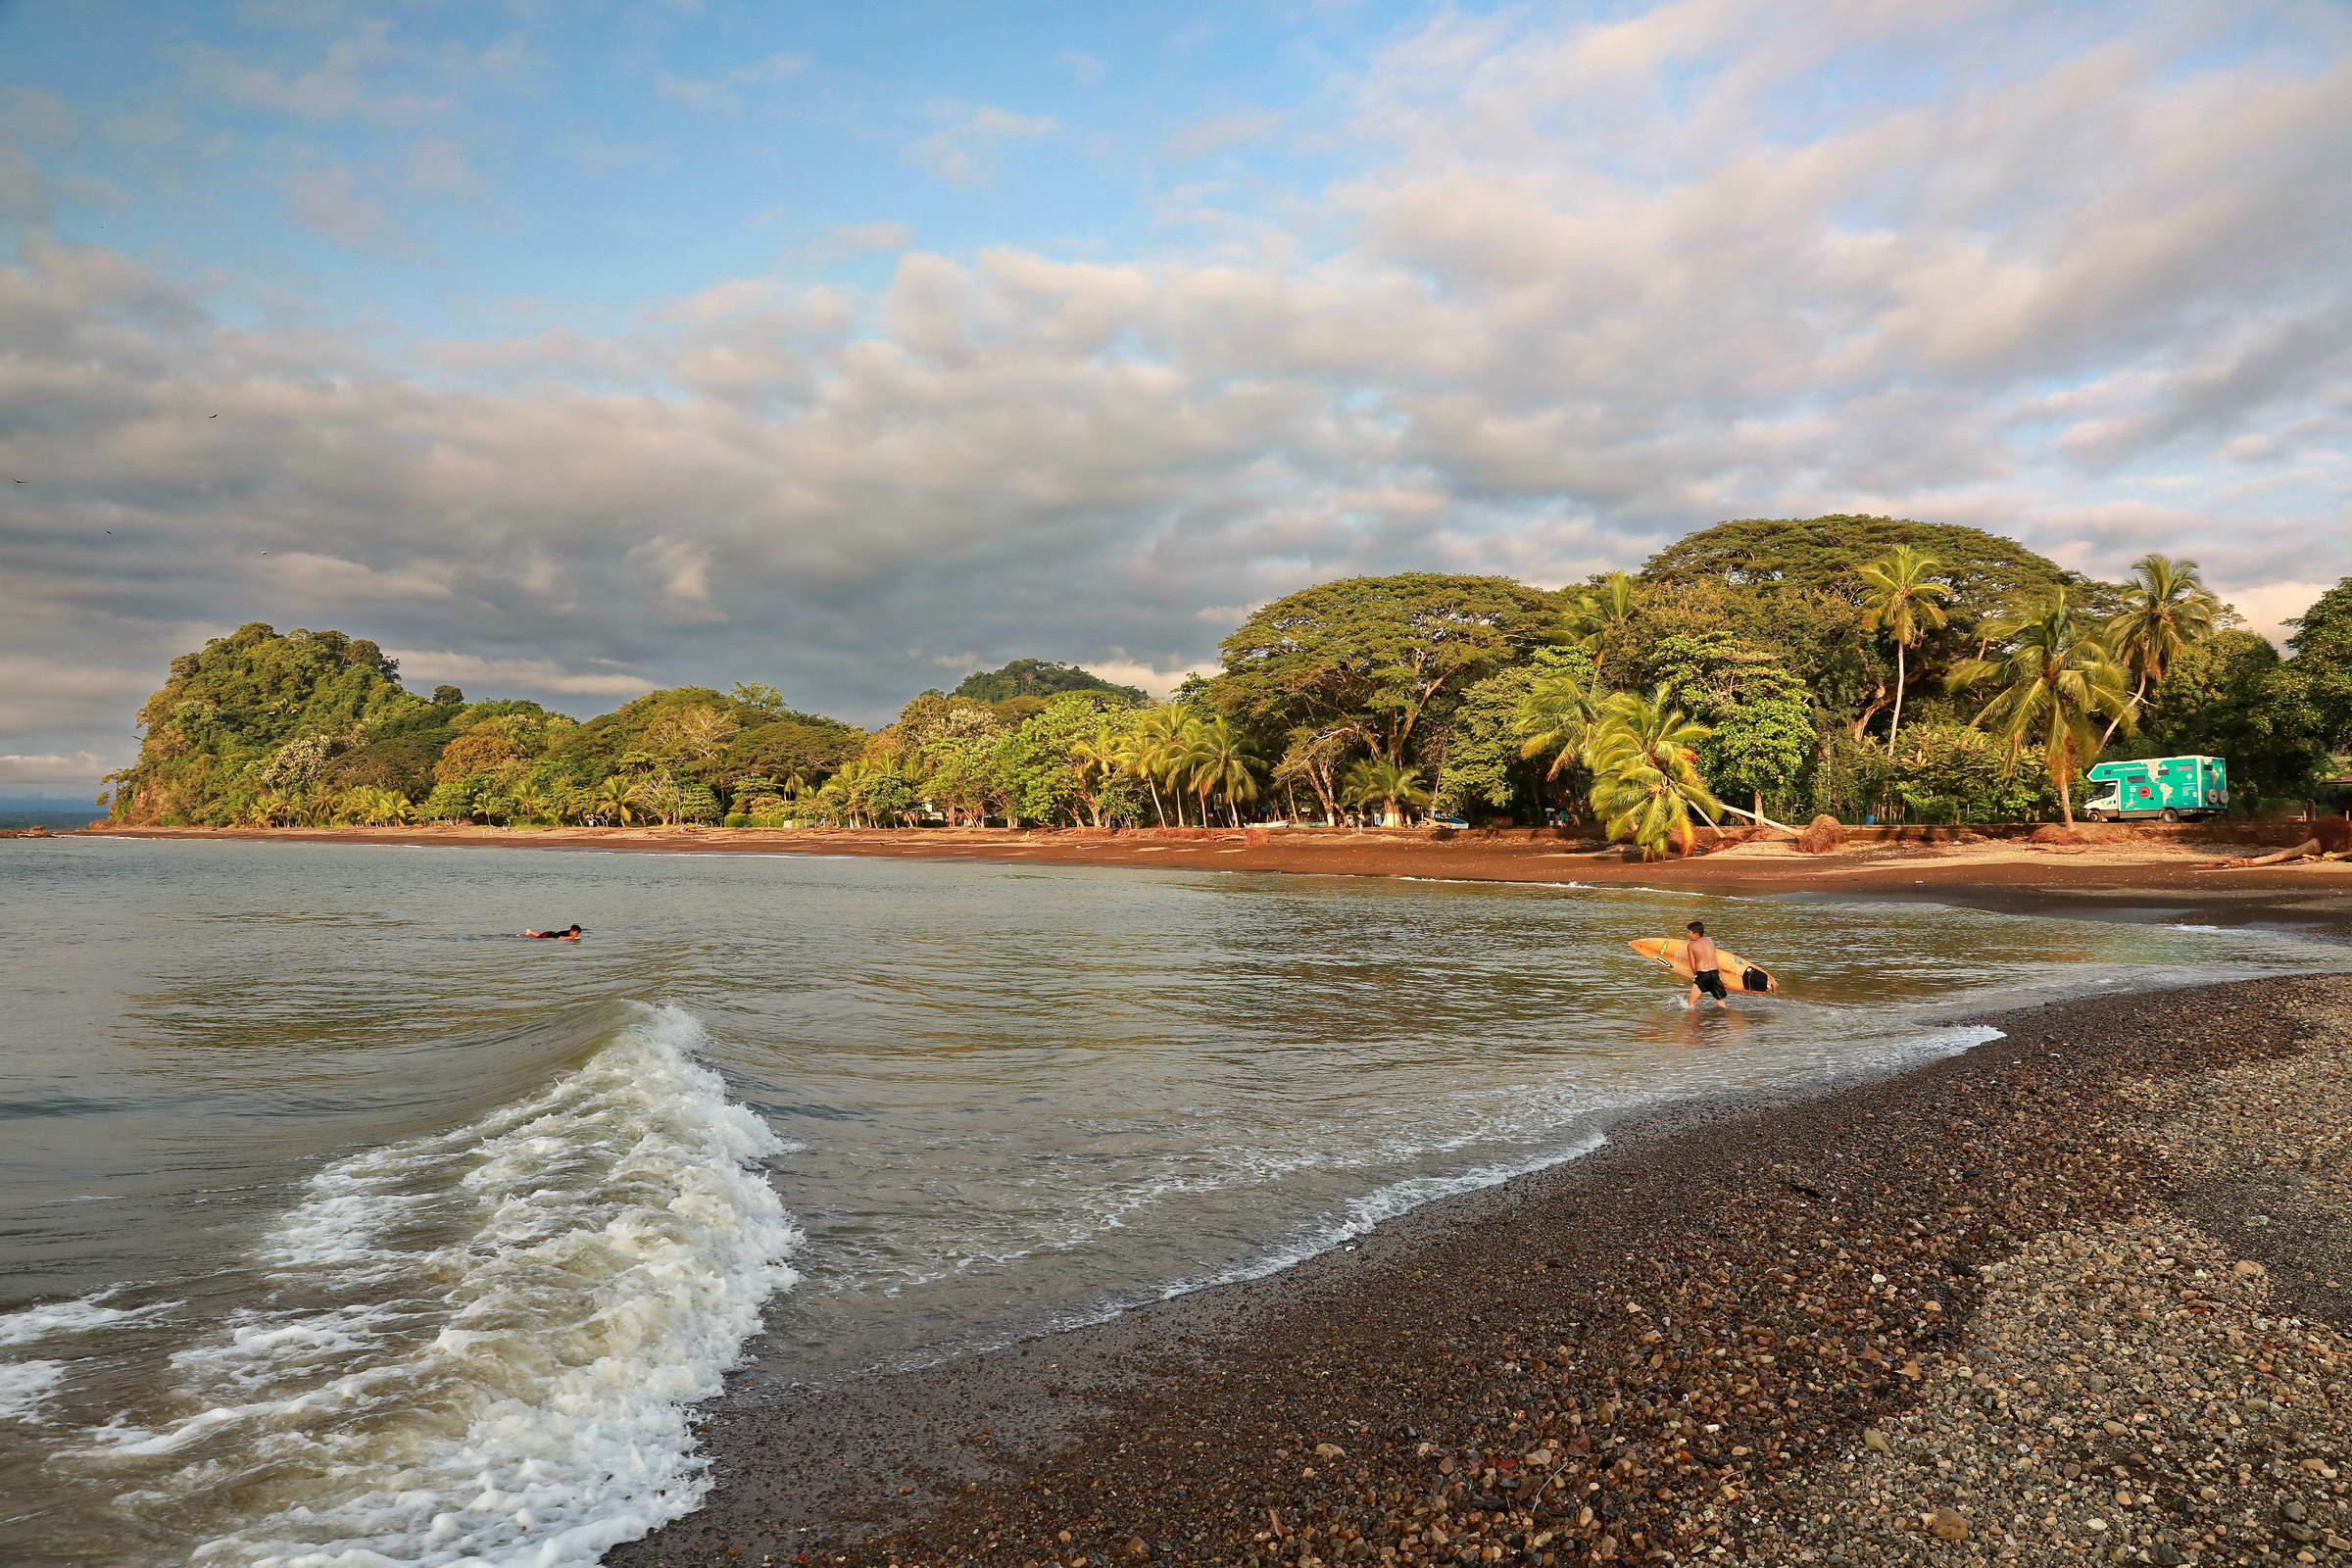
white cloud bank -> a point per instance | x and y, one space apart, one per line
2077 284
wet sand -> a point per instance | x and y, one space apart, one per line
1744 1331
2149 875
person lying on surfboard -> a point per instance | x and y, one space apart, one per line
1706 970
572 935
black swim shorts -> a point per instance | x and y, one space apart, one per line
1710 981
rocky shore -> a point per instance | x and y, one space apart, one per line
2080 1295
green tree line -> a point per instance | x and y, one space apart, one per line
1761 669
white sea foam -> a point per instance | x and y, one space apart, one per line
1367 1213
480 1346
25 1386
71 1318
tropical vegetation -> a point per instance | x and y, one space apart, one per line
1759 670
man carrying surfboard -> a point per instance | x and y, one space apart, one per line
1706 968
1699 960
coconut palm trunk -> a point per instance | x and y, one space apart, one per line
1894 725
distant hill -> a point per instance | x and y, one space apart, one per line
1038 677
47 814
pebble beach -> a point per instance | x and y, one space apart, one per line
2078 1294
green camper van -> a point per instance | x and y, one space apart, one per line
2171 789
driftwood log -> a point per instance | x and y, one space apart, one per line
2330 837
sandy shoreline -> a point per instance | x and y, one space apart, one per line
2151 878
1761 1332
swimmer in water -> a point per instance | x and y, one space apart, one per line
572 935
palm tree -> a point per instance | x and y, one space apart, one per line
853 778
617 798
2165 609
1377 781
1598 623
1556 717
371 806
1148 737
1164 742
1098 759
2057 677
532 803
1215 759
1646 777
1901 601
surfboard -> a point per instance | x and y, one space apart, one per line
1667 952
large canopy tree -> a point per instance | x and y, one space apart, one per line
229 707
1392 654
1038 677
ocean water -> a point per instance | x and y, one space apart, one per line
339 1227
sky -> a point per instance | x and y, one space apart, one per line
571 350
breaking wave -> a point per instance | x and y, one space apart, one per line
480 1346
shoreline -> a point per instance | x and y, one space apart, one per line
1668 1349
2149 879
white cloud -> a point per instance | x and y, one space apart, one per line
2269 607
336 87
36 115
963 151
724 94
55 767
328 199
1084 69
851 239
1218 132
437 164
2079 291
422 668
1150 679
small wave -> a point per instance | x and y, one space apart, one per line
480 1346
1367 1213
71 1318
25 1386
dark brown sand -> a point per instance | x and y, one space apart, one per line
1630 1357
2152 875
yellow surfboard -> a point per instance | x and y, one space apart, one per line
1738 974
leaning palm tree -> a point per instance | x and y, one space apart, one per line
1377 781
2058 677
1646 778
618 797
1144 748
1217 759
2165 609
1903 603
1554 720
1166 744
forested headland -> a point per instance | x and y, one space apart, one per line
1776 669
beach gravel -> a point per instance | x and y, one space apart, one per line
2077 1295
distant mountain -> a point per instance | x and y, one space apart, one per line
1038 677
48 813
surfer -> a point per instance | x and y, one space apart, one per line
572 935
1706 970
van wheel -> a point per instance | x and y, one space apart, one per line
2096 816
2168 814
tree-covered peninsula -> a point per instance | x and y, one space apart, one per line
1763 668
